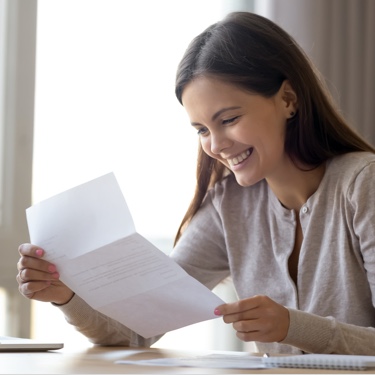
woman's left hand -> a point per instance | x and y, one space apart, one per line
258 318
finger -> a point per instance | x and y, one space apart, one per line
20 276
30 250
256 332
243 309
229 308
26 275
249 330
267 328
36 264
251 314
241 305
250 336
31 288
247 326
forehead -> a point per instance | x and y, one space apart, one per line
209 87
210 94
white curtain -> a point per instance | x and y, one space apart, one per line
17 74
339 36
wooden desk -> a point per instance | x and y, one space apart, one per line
98 360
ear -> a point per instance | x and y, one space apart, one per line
290 100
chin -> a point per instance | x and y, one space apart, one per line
246 182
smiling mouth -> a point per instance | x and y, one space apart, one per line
240 158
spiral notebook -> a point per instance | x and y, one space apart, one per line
323 361
244 360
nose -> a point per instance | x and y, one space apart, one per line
219 142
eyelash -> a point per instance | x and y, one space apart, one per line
230 120
201 131
224 122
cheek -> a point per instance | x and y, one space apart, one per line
206 146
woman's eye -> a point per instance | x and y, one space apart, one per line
230 120
202 131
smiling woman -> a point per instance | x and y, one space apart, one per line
309 216
232 123
105 102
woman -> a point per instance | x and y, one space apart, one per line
281 204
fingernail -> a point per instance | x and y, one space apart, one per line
55 275
217 312
51 268
39 252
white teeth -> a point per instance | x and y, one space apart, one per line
240 158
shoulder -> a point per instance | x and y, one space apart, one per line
353 171
353 161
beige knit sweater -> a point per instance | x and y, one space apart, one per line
245 233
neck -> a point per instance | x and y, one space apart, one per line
293 186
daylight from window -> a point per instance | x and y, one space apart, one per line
105 103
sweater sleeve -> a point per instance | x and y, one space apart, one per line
315 334
201 250
99 328
361 197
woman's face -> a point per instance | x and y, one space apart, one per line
244 131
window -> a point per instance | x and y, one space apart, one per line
2 99
17 74
105 102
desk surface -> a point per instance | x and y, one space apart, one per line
99 360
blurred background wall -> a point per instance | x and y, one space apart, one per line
339 37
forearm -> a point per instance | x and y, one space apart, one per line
315 334
99 328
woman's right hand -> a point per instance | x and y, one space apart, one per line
38 279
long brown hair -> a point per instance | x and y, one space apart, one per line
252 52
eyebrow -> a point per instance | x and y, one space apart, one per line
217 114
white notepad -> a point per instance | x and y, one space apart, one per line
244 361
16 344
323 361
